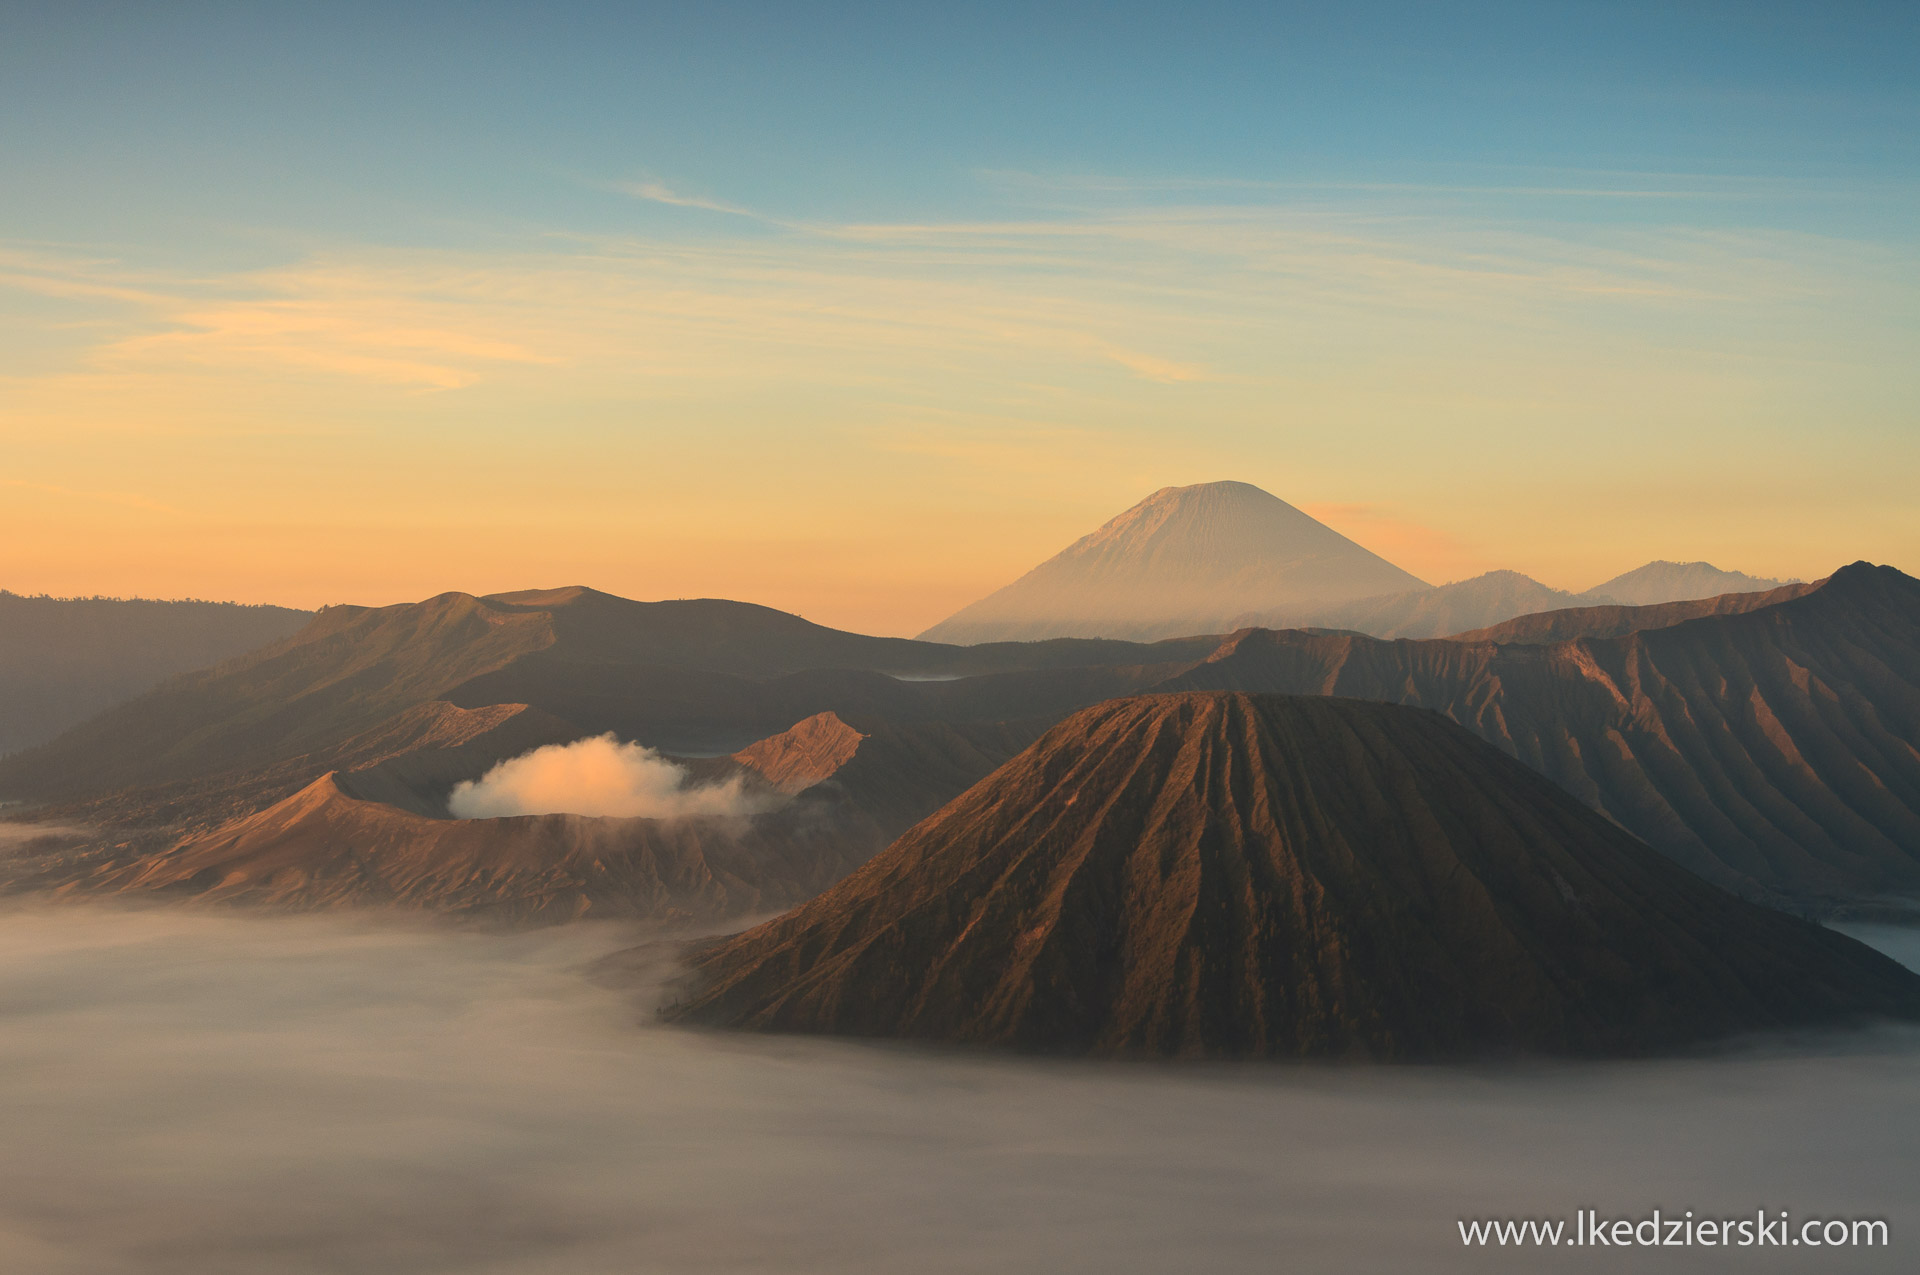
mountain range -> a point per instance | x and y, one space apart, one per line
1323 830
1221 556
1188 560
62 660
1768 742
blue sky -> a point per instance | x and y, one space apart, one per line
146 122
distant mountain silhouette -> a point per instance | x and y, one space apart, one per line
1676 582
1225 875
62 660
1564 625
1217 557
1184 560
1426 612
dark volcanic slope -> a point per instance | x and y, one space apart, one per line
1617 621
374 829
701 675
344 674
327 846
411 760
64 659
1777 751
1232 875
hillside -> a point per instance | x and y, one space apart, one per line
374 829
328 846
1224 875
1775 751
1184 560
687 676
1542 628
62 660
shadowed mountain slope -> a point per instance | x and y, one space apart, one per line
378 834
901 774
1184 560
345 673
890 775
1676 582
328 846
1776 751
1546 627
686 676
1249 876
411 760
62 660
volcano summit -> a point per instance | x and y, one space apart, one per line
1184 560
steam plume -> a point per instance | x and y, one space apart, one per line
597 776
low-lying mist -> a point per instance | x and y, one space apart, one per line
207 1094
598 776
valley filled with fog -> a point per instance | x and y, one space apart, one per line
200 1092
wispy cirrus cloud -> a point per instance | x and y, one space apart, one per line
323 323
1177 296
1569 184
660 193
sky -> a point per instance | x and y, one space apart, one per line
861 311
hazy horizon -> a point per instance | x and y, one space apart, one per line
545 585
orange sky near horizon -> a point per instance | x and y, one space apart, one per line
875 425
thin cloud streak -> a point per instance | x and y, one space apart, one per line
1646 185
655 192
1137 292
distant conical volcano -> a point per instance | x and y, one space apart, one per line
1184 560
1238 875
1659 582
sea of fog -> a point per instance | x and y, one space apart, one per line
196 1093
